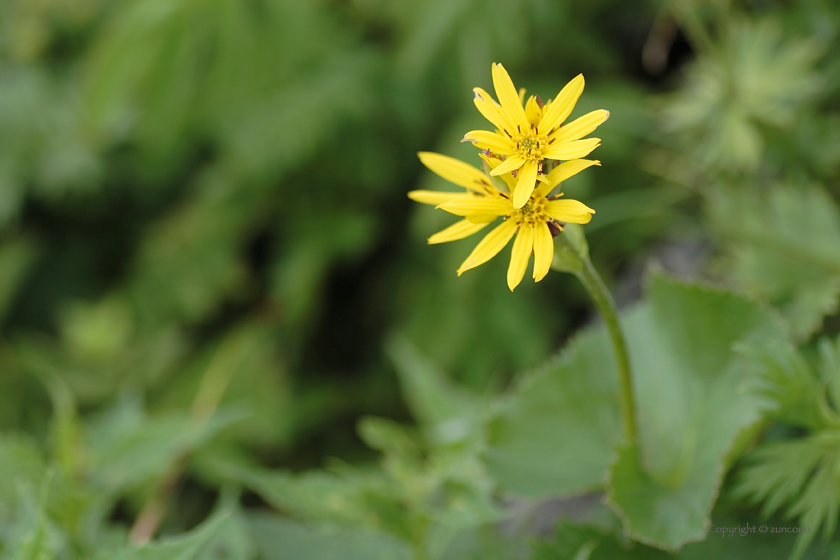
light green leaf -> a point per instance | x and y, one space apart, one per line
233 540
756 74
279 538
128 447
692 405
32 536
783 246
389 437
830 370
351 497
449 413
480 543
20 463
555 434
798 474
790 391
183 547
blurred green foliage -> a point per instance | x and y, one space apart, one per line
220 323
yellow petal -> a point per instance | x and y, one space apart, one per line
562 105
490 246
510 181
520 255
527 177
477 205
546 106
570 211
572 150
482 218
543 251
490 141
493 163
510 164
458 230
582 126
532 111
508 97
490 109
456 171
564 171
434 197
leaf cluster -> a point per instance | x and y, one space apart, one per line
798 475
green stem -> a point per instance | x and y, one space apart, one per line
604 301
593 283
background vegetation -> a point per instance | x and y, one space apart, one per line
220 322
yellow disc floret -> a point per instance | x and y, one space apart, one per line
533 213
531 144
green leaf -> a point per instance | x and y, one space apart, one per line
480 543
449 413
783 246
279 538
183 547
777 472
830 370
351 497
389 437
128 447
32 536
555 434
744 541
233 540
791 392
798 474
692 406
754 74
20 463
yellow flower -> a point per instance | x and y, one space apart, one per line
482 203
526 136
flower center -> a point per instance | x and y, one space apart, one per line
532 213
530 145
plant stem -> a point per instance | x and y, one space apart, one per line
604 301
593 283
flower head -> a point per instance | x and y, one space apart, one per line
525 136
483 203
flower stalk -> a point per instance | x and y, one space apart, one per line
591 280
